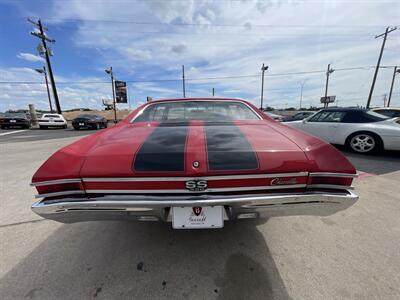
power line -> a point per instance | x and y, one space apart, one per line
202 78
72 20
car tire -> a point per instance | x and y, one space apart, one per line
42 127
76 128
364 142
105 124
3 127
65 126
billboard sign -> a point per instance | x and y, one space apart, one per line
121 92
328 99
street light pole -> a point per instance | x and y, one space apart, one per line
301 92
183 81
396 70
44 72
328 72
110 72
263 69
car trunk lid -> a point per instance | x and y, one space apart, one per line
173 158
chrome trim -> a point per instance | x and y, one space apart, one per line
184 191
216 177
120 207
55 194
198 100
58 181
330 186
329 174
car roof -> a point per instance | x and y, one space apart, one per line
386 108
344 109
197 98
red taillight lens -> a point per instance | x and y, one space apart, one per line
346 181
62 187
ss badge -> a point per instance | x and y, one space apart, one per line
196 185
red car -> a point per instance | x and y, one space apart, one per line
196 163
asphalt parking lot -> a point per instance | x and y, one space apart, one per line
351 255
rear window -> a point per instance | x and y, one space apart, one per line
388 113
209 111
51 116
363 117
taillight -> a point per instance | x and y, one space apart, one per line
59 187
330 180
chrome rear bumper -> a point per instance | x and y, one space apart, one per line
157 208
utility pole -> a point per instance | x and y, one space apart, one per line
301 92
43 71
328 72
396 70
183 81
46 52
213 92
263 69
110 72
387 31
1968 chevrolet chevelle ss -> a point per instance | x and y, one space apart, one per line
196 163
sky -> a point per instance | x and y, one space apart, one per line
222 43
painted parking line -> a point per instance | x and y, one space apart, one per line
23 136
363 175
11 132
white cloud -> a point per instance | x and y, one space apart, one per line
289 36
29 57
136 54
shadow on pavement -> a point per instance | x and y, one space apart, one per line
115 260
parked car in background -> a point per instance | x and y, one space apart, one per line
388 111
360 130
87 121
17 120
196 163
274 116
52 120
298 116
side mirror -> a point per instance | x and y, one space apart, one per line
304 121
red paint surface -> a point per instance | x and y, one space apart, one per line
111 152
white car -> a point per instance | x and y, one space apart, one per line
52 120
274 116
360 130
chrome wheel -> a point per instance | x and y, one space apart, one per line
362 143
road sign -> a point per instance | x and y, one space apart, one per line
328 99
107 102
121 92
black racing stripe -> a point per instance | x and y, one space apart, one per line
229 149
163 150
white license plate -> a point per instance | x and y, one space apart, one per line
81 124
13 121
51 120
197 217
